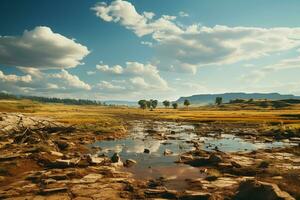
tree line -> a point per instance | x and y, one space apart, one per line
68 101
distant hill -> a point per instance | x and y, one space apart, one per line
210 98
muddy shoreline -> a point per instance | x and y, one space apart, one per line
43 159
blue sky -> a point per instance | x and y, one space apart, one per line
129 50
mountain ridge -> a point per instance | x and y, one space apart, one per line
210 98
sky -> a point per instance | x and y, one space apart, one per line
140 49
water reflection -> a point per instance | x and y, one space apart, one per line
176 137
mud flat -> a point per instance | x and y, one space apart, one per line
44 159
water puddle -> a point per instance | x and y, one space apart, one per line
157 137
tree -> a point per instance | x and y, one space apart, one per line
175 105
218 100
142 103
186 103
166 103
148 104
153 103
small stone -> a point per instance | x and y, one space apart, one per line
213 158
146 151
264 164
55 153
167 152
115 158
130 162
62 145
235 164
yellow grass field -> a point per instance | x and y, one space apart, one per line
106 118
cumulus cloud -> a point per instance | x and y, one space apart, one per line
141 75
125 13
189 47
139 83
11 78
117 69
41 48
70 80
61 84
32 71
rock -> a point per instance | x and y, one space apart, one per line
211 178
59 176
161 192
9 157
195 195
146 151
115 158
55 153
91 178
235 164
186 157
130 162
263 164
53 190
215 159
95 159
260 191
60 163
167 152
62 145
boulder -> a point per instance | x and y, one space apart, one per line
146 151
130 162
215 159
252 189
115 158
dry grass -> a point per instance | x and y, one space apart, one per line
101 117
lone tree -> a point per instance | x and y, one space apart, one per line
218 100
153 103
142 103
186 103
166 103
175 105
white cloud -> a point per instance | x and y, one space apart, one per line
125 13
149 44
14 78
41 48
90 72
193 46
32 71
285 64
139 83
146 73
105 85
71 80
259 74
117 69
52 86
183 14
